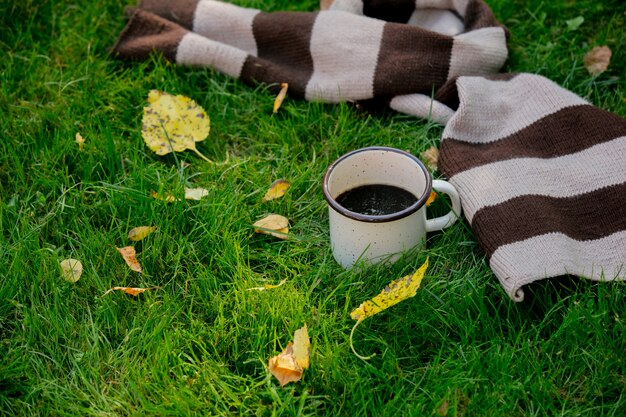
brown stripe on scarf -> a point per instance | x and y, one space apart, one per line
146 33
479 15
549 137
399 71
593 215
179 11
283 40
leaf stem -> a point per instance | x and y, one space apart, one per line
365 358
202 156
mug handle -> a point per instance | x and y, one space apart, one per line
447 220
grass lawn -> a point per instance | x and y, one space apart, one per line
200 343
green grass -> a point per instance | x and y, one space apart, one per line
200 343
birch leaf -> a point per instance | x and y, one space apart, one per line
173 123
129 255
274 224
276 190
281 96
71 269
290 364
597 60
196 193
167 197
129 290
391 295
268 286
139 233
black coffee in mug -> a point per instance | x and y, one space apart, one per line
376 199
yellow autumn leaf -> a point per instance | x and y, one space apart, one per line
290 364
274 224
276 190
281 96
431 198
173 123
80 140
139 233
195 193
431 157
392 294
129 255
71 269
129 290
167 197
268 286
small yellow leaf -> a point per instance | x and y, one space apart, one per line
281 96
597 60
173 123
167 197
431 157
81 141
392 294
129 290
129 255
71 269
268 286
290 364
431 198
195 193
276 190
274 224
302 347
139 233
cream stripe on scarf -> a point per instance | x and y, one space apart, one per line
199 51
565 176
534 259
478 52
343 74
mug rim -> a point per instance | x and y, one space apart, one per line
421 200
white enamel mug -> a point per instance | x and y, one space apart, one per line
356 237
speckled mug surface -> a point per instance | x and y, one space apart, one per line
356 237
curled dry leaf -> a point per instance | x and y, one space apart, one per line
392 294
597 60
276 190
431 157
268 286
431 198
81 141
293 360
139 233
281 96
195 193
274 224
129 255
173 123
129 290
71 269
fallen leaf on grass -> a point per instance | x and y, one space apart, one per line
392 294
129 255
431 157
276 190
167 197
274 224
431 198
129 290
293 360
597 60
173 123
281 96
268 286
195 193
139 233
574 24
442 411
81 141
71 269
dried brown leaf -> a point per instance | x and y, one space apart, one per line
431 157
290 364
129 255
597 60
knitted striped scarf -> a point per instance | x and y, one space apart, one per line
541 172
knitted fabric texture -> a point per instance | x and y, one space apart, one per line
542 179
541 173
334 55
